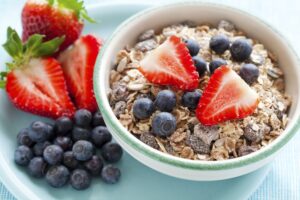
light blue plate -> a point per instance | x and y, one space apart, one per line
138 181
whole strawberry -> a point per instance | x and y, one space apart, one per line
54 18
35 82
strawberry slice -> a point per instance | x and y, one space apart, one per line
35 83
40 89
78 65
226 97
170 64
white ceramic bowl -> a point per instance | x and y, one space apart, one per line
161 16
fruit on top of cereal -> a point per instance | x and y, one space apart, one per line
226 97
34 82
54 18
170 64
78 63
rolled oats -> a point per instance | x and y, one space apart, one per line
192 140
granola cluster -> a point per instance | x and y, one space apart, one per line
191 139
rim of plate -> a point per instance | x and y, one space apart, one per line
127 137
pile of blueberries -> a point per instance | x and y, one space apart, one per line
66 151
240 51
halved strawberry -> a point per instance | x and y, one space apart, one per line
78 65
36 84
226 97
170 64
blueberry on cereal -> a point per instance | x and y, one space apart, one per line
240 50
192 46
165 100
164 124
215 64
191 99
249 72
143 108
219 43
200 65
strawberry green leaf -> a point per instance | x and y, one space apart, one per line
33 43
3 75
77 7
49 47
2 84
51 2
13 45
34 47
85 16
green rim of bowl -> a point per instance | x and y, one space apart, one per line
147 151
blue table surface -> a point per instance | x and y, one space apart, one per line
283 181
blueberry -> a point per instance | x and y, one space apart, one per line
110 174
53 154
100 136
80 179
37 167
192 46
112 152
200 65
39 148
191 99
57 176
40 131
63 125
23 137
69 160
219 43
23 155
143 108
98 119
215 64
83 150
64 142
83 118
249 72
79 133
165 100
240 50
50 131
163 124
94 165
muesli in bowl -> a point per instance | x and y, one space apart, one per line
200 92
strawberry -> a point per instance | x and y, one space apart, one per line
226 97
34 82
54 18
78 65
170 64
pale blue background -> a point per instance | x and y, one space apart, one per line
283 182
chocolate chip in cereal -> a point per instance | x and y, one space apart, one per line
149 139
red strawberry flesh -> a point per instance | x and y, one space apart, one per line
170 64
78 65
40 88
226 97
